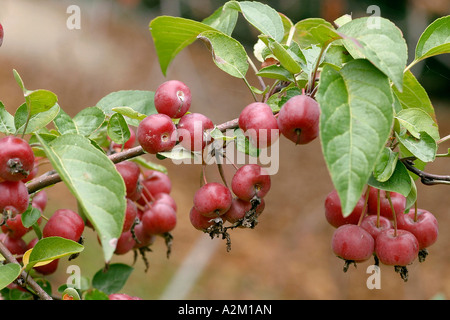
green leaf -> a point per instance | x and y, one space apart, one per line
130 113
434 40
282 55
223 19
113 279
276 72
171 35
36 121
261 16
416 120
228 54
399 182
385 46
178 153
6 121
19 80
118 129
414 95
8 273
139 101
94 181
149 165
353 128
337 55
64 123
94 294
40 101
412 196
30 216
244 145
386 164
314 31
89 120
52 248
424 148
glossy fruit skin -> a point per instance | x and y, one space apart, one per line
425 228
39 200
166 199
333 210
398 201
14 227
16 158
14 245
353 243
298 119
239 208
64 223
157 133
212 199
258 122
173 98
14 197
191 131
144 239
249 181
396 250
369 223
130 173
159 219
153 183
199 221
125 243
130 215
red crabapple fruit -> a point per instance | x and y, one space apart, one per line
157 133
333 210
398 202
16 158
375 225
352 243
173 98
396 248
212 199
424 227
192 129
158 219
64 223
13 197
298 119
260 125
249 181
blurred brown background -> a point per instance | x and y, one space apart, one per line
288 255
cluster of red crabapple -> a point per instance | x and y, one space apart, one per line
215 203
379 227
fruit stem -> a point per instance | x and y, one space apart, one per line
366 201
388 196
378 208
415 211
